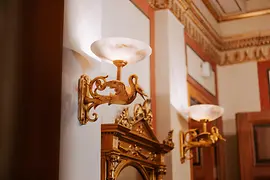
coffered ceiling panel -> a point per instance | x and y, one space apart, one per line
225 10
226 7
256 5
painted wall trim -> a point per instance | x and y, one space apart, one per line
206 96
199 51
263 68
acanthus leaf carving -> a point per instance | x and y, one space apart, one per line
169 140
113 162
124 120
141 112
136 151
245 55
159 4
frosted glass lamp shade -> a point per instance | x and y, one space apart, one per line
205 112
118 48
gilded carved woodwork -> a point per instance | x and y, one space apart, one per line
168 141
217 47
260 53
231 43
114 160
140 111
131 141
136 151
193 139
90 98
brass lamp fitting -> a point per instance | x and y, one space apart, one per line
192 139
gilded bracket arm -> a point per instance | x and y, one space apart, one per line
191 139
89 97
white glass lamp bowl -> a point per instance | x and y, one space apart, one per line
205 112
119 48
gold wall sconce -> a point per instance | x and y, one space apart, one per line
191 139
91 92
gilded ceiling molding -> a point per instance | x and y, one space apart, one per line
223 50
159 4
246 15
193 26
257 53
245 42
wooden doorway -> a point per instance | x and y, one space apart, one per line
208 163
254 145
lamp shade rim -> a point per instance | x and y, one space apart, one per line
205 112
121 48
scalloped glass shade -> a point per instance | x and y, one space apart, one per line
205 111
118 48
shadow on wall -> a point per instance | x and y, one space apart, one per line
168 162
83 60
74 65
182 121
231 152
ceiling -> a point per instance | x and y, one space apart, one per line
225 10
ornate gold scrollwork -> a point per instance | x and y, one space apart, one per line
124 120
89 96
141 111
191 139
158 4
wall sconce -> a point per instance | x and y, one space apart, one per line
191 139
120 52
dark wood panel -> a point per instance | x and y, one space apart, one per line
250 168
261 178
263 68
261 143
205 96
37 130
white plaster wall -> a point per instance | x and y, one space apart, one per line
194 70
178 93
82 24
79 145
238 89
238 92
171 87
85 22
162 66
122 18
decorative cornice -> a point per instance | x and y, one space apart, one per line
218 48
193 27
257 53
159 4
246 42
